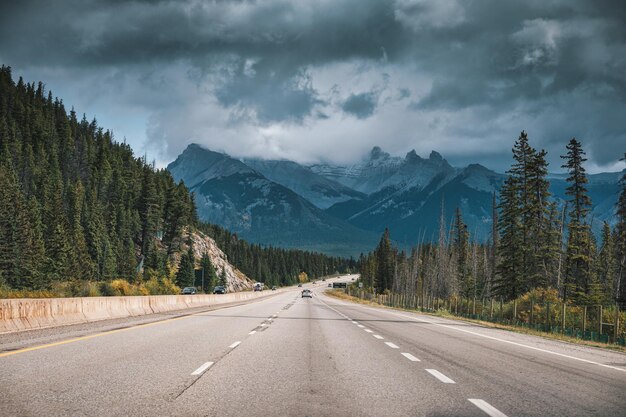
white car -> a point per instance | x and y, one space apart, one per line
307 293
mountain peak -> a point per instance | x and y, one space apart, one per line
377 153
412 156
435 156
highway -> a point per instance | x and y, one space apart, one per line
290 356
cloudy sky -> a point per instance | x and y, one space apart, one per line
326 80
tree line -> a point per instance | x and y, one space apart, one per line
535 245
76 205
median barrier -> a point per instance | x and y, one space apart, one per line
38 313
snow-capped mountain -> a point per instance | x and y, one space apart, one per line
380 170
234 195
319 190
280 202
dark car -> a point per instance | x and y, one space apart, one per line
274 288
219 290
330 285
189 290
307 293
299 285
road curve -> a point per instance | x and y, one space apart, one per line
292 356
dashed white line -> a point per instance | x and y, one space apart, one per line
410 357
270 319
511 342
440 376
391 345
355 322
263 324
361 326
487 408
234 345
252 332
379 337
274 315
203 368
368 330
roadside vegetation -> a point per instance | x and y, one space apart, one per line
542 258
80 215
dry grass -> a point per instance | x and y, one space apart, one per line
523 330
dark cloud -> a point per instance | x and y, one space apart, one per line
361 105
456 71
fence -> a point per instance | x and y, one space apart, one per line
606 324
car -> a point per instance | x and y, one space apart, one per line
330 285
307 293
299 285
323 279
189 290
219 290
314 282
274 288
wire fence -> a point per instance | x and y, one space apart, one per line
598 323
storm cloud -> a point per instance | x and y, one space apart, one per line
328 80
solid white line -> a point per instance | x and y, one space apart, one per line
410 357
234 345
440 376
487 408
203 368
511 342
391 345
379 337
368 330
252 332
361 326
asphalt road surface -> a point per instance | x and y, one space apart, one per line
292 356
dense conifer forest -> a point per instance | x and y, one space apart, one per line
536 246
77 206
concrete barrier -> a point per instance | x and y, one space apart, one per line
38 313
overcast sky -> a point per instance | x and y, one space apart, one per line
326 80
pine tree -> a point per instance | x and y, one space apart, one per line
509 277
579 275
210 276
607 265
461 241
620 241
385 262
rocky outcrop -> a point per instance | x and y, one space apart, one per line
236 280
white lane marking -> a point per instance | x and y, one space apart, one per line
361 326
252 332
487 408
263 324
234 345
270 319
274 315
410 357
391 345
368 330
379 337
440 376
510 342
203 368
355 322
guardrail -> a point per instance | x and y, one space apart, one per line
36 313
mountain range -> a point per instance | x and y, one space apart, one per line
342 210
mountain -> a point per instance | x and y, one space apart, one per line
381 171
326 206
234 195
319 190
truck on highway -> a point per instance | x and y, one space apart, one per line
258 286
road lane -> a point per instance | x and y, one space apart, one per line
521 374
288 355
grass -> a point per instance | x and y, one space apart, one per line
444 313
